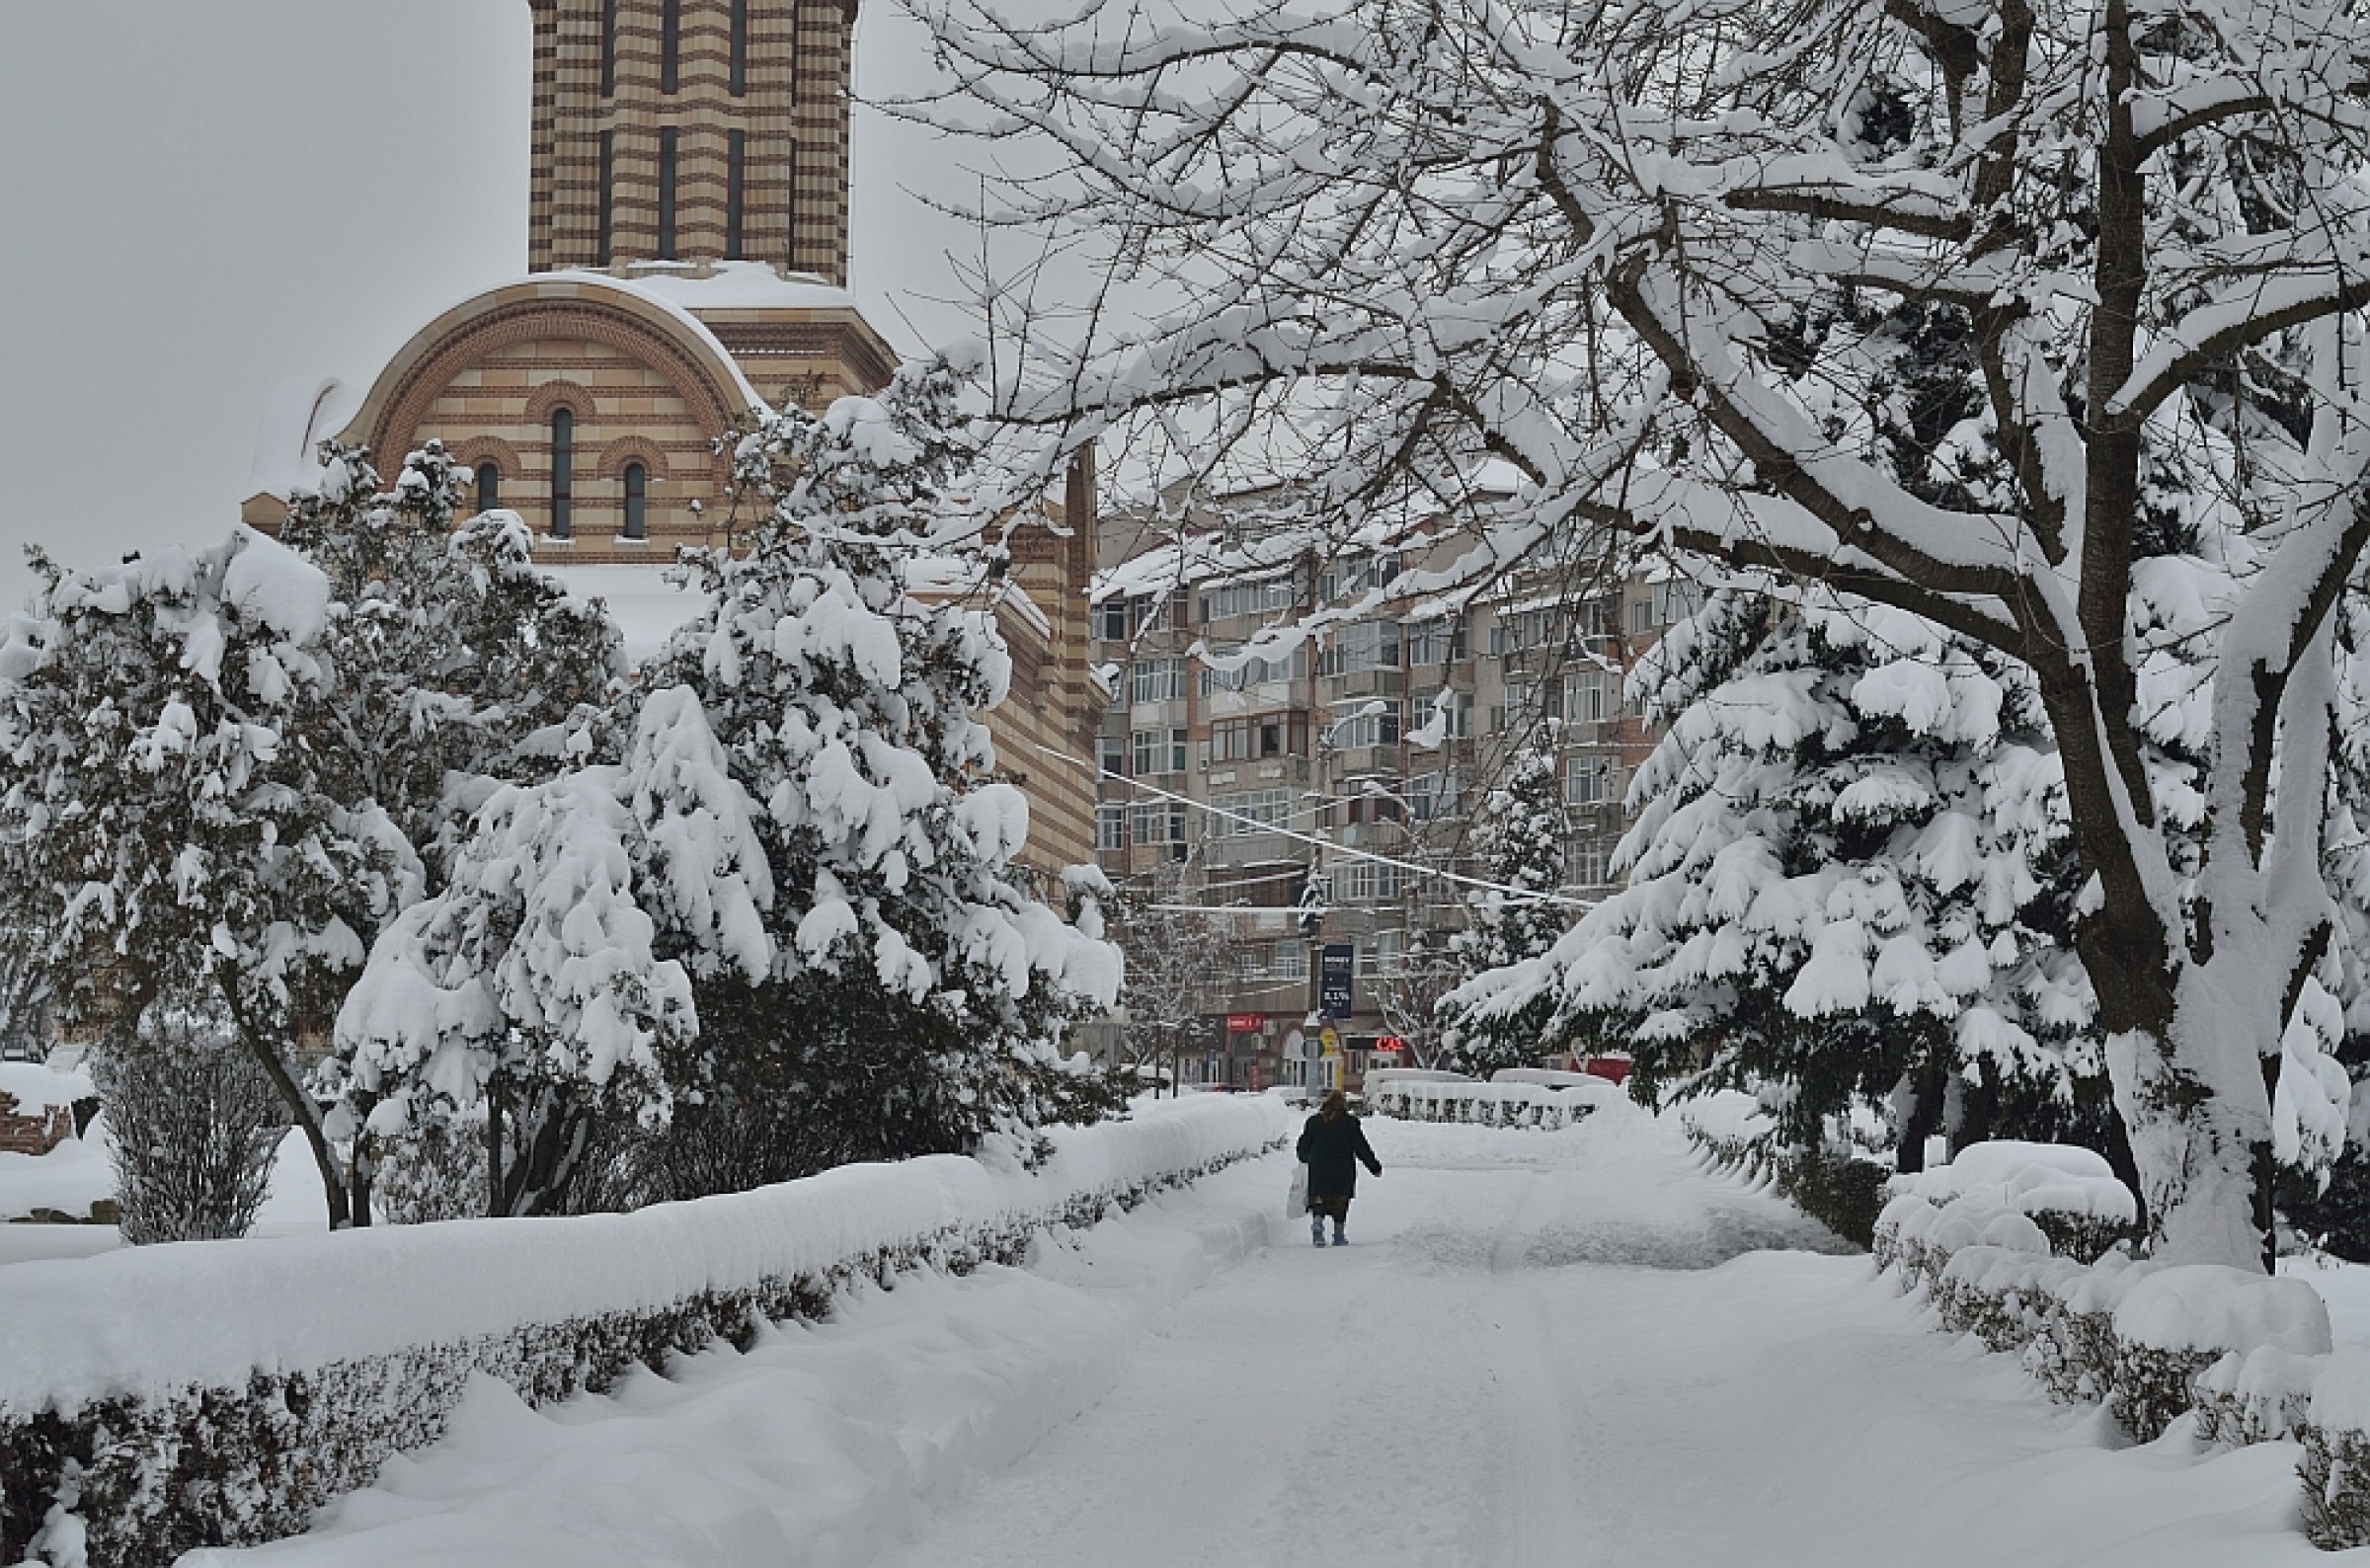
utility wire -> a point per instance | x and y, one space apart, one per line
1524 894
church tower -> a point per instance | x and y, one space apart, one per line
690 130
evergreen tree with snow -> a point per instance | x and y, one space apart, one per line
1517 846
1847 883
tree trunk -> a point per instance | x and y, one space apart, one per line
301 1109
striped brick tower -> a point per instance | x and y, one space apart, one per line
692 130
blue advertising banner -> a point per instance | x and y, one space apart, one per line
1336 963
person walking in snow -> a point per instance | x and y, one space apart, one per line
1332 1146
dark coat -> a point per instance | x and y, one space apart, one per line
1332 1151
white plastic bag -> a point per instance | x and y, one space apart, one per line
1297 1204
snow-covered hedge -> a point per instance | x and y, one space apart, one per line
2248 1355
1841 1191
216 1393
1535 1105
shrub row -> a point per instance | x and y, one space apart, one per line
136 1476
2247 1356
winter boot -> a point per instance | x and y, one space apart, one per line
1316 1229
1340 1237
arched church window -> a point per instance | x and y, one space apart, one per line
671 45
563 473
489 486
637 501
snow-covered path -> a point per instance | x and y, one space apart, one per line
1575 1348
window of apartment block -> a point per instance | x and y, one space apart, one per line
1251 810
1289 961
1159 752
1367 721
1370 881
1111 755
1156 680
1584 777
1111 620
1263 597
1157 823
1381 954
1438 641
1452 709
1431 796
1641 617
1368 645
1588 695
1110 828
1587 863
1254 672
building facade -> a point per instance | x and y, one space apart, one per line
1319 799
687 262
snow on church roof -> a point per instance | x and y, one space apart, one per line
735 285
302 412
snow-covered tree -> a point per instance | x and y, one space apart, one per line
550 984
456 659
1849 879
1518 844
27 1030
172 817
919 988
1177 954
1623 250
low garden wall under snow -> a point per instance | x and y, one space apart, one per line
1401 1093
2008 1243
159 1399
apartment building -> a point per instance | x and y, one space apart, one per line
1316 795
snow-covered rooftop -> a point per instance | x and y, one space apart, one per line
733 285
302 412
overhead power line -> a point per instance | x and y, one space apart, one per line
1525 895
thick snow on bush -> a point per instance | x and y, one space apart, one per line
207 1313
2212 1306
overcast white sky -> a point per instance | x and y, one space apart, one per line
198 200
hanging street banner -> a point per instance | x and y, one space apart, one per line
1335 965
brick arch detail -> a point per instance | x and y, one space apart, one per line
476 449
549 398
587 320
633 449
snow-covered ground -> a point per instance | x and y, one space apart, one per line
1571 1348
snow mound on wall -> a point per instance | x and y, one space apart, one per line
207 1313
35 1088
